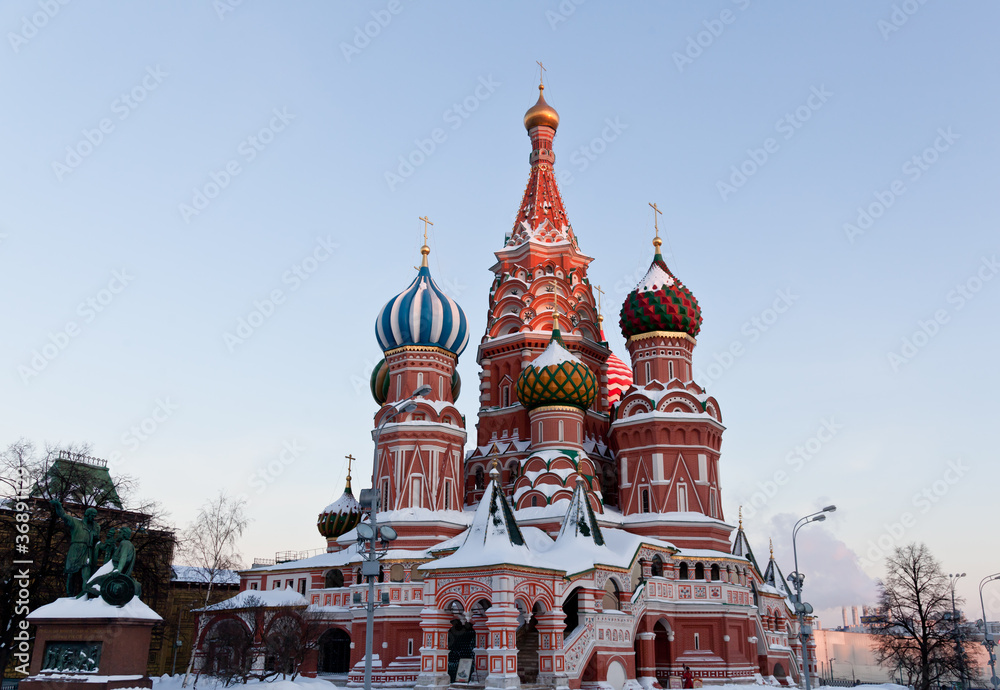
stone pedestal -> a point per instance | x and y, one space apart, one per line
85 644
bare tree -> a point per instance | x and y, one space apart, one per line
230 639
917 635
291 638
209 543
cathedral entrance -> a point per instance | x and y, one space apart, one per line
662 647
334 652
527 643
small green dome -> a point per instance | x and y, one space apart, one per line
557 377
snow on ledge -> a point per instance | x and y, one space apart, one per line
71 607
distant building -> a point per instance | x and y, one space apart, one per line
186 592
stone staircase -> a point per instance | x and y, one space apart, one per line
527 655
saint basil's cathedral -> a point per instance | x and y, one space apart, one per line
582 542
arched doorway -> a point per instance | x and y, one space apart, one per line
527 640
461 637
228 649
662 650
334 652
780 673
571 607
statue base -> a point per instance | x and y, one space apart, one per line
83 644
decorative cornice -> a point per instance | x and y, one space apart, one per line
421 348
662 334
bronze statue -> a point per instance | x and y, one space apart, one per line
107 547
83 536
124 556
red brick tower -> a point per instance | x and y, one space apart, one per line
539 270
667 430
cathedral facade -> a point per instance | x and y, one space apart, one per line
582 541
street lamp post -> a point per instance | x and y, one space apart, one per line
801 607
829 667
371 565
953 578
988 640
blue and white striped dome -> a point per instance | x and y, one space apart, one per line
422 315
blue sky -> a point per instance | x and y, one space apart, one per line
294 121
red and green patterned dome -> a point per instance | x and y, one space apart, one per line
660 302
556 377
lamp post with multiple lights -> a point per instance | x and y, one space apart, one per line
802 609
369 532
988 640
953 578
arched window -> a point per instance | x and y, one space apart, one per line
333 578
699 571
480 478
416 575
505 396
397 572
715 573
682 573
610 600
645 500
657 567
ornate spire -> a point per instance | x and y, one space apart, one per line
770 543
657 242
741 517
350 459
425 250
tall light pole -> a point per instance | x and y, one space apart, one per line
953 578
796 578
370 566
988 640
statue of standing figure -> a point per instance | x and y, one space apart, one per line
83 537
107 547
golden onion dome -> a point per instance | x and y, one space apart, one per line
541 113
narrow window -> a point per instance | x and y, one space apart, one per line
561 430
409 647
505 396
302 585
416 500
697 641
712 501
399 386
384 503
699 571
540 435
645 500
420 379
682 573
534 501
447 494
716 575
682 498
440 387
670 370
648 372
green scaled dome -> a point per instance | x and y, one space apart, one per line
556 377
341 516
660 302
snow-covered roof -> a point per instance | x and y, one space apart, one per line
554 353
345 504
71 607
654 279
190 573
267 598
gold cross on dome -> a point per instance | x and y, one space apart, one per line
350 459
656 223
600 294
427 221
541 72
